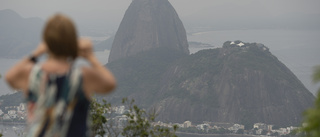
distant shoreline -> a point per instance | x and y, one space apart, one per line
213 135
13 123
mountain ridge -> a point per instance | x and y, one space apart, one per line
18 35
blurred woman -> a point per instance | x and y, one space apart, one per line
59 94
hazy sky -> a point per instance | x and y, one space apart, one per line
110 12
43 8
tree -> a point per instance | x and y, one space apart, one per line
311 125
102 119
275 134
138 123
240 131
264 132
98 119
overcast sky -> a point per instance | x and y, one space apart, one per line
43 8
110 12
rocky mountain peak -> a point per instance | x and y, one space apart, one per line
149 24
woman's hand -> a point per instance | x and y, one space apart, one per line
96 77
41 49
85 48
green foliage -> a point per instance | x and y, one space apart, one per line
316 75
240 131
311 126
264 132
139 123
98 119
102 122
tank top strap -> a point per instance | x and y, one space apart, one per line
75 83
34 83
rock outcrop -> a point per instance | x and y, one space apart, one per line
148 24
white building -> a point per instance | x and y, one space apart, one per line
203 126
120 110
22 106
14 116
259 131
260 126
1 112
240 44
6 117
187 124
283 131
236 127
12 112
270 127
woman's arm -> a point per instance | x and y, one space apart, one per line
18 76
97 78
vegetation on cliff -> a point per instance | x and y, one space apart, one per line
311 125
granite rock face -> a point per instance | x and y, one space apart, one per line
148 24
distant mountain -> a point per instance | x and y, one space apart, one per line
18 36
239 83
148 24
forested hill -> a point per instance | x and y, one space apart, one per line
238 83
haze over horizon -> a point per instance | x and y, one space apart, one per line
108 13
